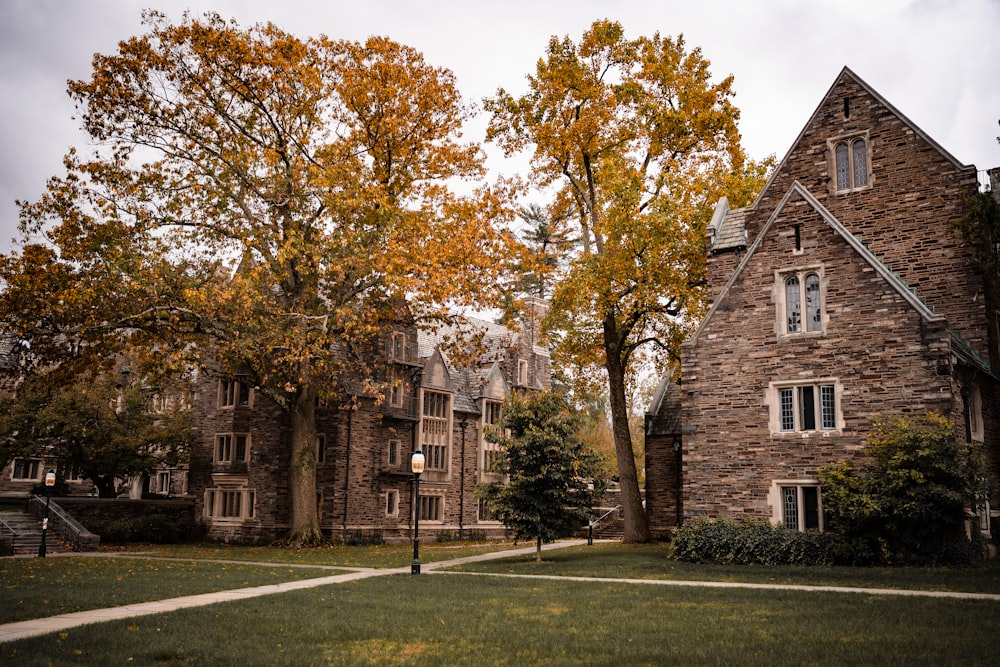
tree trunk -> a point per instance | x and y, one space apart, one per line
538 548
636 526
302 474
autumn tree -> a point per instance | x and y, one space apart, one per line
265 202
550 469
100 425
639 143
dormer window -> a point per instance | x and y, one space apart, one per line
850 163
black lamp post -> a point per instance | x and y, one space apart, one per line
50 481
417 467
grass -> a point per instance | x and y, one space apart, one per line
377 556
650 562
455 619
40 587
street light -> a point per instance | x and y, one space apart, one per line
416 467
50 481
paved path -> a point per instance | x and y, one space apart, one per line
41 626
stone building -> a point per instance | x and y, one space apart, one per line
240 461
842 294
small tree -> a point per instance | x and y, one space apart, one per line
550 469
910 496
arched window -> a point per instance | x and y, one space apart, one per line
793 305
843 167
813 313
859 155
850 166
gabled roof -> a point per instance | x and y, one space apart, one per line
846 72
881 269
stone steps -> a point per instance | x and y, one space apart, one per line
28 530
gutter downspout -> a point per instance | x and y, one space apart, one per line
347 468
461 489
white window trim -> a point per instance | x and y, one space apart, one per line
778 297
232 459
976 431
776 500
392 503
214 501
446 421
849 139
39 472
773 401
522 373
441 507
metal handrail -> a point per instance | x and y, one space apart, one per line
596 523
68 527
5 527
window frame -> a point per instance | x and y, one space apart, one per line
849 142
232 448
234 393
431 507
826 419
220 501
392 503
803 513
435 429
781 294
33 466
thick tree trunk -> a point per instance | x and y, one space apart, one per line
302 474
636 526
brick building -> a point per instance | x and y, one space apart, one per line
844 293
240 461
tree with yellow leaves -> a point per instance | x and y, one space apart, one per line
264 201
638 143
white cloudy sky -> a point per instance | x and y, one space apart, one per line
937 61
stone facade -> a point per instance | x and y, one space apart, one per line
844 293
240 461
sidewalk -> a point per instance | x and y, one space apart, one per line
41 626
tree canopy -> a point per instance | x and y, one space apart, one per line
638 143
101 426
264 202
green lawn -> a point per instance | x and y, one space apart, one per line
39 587
455 619
650 562
451 618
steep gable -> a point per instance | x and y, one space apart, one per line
798 192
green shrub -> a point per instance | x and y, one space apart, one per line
363 537
152 528
758 541
907 499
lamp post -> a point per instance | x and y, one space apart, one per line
50 481
416 467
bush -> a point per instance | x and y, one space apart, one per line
361 538
907 499
759 542
153 528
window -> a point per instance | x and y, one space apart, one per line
800 299
430 508
163 482
392 455
850 162
435 430
231 447
974 410
320 449
26 469
803 408
396 394
522 373
491 421
397 347
487 512
224 503
800 507
392 503
233 393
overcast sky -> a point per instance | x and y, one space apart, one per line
937 61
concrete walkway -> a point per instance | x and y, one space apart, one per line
41 626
